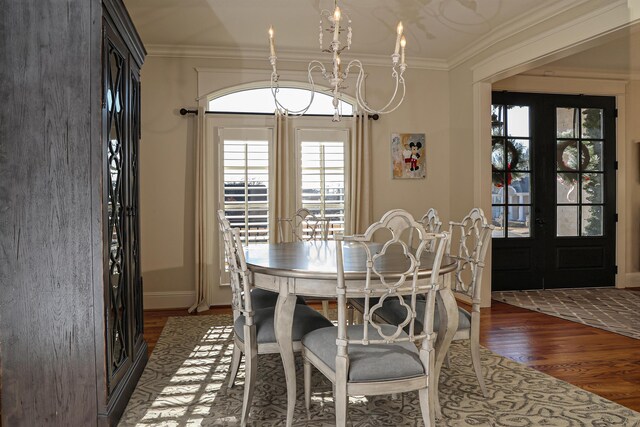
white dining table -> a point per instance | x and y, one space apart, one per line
308 269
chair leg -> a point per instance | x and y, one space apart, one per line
474 344
428 415
235 364
250 368
307 385
340 397
325 308
446 360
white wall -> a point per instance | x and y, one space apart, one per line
167 158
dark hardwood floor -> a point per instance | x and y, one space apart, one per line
601 362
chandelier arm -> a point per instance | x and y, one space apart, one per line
360 97
274 90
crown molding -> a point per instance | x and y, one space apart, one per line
564 39
212 52
515 26
581 73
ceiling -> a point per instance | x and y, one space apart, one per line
435 29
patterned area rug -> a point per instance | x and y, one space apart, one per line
185 383
614 310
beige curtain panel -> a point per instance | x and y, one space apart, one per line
284 190
205 210
360 201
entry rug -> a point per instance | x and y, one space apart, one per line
614 310
186 379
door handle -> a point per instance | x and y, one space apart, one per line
540 221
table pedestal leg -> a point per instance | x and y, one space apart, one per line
283 323
447 329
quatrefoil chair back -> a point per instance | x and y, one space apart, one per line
303 226
468 246
375 358
431 223
254 327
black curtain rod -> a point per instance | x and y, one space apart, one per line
184 112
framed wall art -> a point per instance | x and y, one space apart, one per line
408 160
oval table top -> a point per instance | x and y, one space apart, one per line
317 260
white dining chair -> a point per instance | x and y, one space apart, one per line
432 224
253 328
260 298
374 358
304 225
472 236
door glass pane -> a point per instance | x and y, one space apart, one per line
567 155
592 221
566 188
497 120
592 123
592 188
497 219
518 121
566 122
519 188
497 154
497 188
592 153
567 221
518 154
519 221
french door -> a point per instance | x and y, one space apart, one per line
553 191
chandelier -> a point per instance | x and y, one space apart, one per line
336 24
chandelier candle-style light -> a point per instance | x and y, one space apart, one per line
333 23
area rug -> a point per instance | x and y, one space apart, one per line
614 310
185 383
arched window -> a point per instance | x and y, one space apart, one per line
319 157
260 100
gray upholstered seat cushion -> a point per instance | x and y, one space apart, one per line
367 363
261 298
393 313
305 320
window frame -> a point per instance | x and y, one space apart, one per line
313 126
288 84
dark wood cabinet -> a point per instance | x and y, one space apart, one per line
71 320
125 351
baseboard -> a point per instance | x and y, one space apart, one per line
633 280
169 299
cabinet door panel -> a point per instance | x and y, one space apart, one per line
115 105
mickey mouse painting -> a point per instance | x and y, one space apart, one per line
414 156
408 155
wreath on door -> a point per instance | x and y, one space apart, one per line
515 152
567 160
